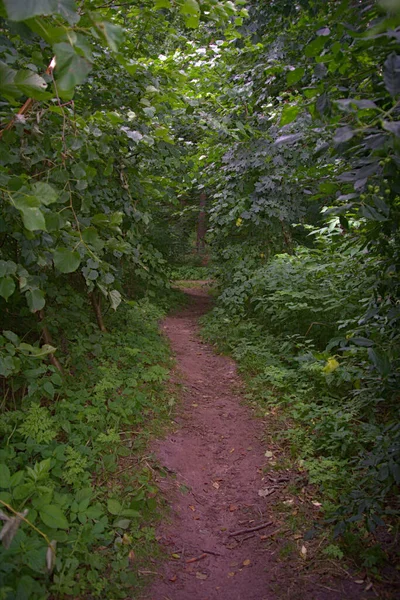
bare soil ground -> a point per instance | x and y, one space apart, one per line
219 492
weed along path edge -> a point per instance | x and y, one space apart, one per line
221 538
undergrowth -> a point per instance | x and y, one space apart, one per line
189 272
72 464
294 329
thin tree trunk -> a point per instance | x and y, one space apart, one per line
49 340
287 237
96 303
201 224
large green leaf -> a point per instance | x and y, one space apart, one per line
7 267
71 69
112 34
66 261
5 477
46 193
289 114
114 507
21 10
25 82
380 360
190 7
391 74
295 76
33 219
32 216
7 287
314 48
53 517
115 299
162 4
35 300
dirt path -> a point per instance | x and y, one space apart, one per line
216 458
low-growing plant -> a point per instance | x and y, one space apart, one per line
67 515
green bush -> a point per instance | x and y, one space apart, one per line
299 328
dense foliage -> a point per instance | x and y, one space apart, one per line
312 173
91 169
122 125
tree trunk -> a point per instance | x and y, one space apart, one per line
201 225
96 303
49 340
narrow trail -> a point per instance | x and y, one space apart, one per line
215 458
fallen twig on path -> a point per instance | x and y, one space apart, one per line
250 529
196 558
247 538
269 535
211 552
197 499
326 587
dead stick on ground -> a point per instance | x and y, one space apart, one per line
211 552
196 558
250 529
269 535
247 538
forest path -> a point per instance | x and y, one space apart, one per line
216 457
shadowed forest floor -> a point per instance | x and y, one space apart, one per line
218 486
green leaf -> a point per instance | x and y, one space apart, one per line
21 492
21 10
90 235
122 523
190 7
7 267
380 361
71 70
25 82
392 126
10 335
31 84
46 193
162 4
314 48
130 512
35 300
53 517
111 33
343 134
291 138
193 22
49 388
361 341
7 287
115 299
295 76
391 74
114 507
5 476
289 114
66 261
32 217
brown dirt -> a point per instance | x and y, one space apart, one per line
215 461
